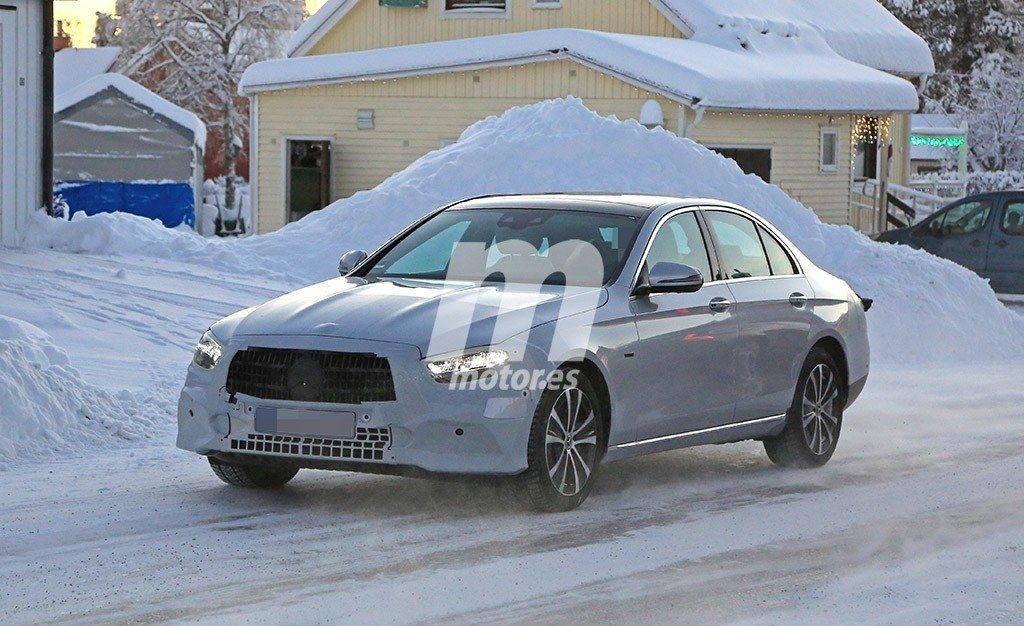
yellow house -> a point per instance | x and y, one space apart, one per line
806 95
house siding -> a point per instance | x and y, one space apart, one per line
413 115
369 26
795 143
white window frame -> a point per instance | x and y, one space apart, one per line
828 130
475 13
547 4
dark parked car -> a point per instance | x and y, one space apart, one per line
984 233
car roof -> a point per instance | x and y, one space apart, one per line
636 205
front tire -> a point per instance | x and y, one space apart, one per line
263 476
566 445
815 418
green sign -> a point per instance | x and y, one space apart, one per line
412 4
937 141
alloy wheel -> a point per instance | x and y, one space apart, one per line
820 422
570 443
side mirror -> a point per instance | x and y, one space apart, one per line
671 278
350 260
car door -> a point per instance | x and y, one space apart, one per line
686 354
961 233
1006 249
773 307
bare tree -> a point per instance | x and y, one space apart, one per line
193 52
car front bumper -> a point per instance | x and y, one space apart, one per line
429 426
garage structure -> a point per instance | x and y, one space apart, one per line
119 147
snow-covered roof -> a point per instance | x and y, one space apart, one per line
138 94
73 66
776 72
862 31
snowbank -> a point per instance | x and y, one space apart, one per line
927 309
46 407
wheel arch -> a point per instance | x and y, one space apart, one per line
835 349
595 374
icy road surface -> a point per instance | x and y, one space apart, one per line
920 516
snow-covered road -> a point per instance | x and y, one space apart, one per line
919 517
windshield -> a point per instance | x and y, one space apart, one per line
525 246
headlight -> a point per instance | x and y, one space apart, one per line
444 369
208 352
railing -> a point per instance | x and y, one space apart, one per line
906 205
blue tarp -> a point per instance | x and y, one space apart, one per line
171 203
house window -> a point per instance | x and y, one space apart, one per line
547 4
829 149
756 161
476 8
309 177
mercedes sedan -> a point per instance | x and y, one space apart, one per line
539 338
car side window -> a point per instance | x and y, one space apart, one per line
739 247
1013 219
961 219
679 240
781 263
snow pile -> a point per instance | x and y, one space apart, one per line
46 406
927 309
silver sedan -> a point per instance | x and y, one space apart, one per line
538 338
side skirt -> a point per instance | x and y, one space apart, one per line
729 433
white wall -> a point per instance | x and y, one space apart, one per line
21 127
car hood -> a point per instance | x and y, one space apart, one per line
433 316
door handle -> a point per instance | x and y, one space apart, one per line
976 243
1002 243
798 300
720 305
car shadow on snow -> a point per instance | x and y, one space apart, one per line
711 478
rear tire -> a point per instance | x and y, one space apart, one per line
566 445
815 418
263 476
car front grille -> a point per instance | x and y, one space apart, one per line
311 376
369 445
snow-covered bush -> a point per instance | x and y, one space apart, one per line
981 182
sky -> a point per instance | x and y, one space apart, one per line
79 17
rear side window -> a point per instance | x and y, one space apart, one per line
739 246
1013 219
961 219
781 263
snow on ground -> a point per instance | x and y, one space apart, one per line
905 525
919 516
107 341
927 309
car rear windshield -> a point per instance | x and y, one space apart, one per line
522 246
